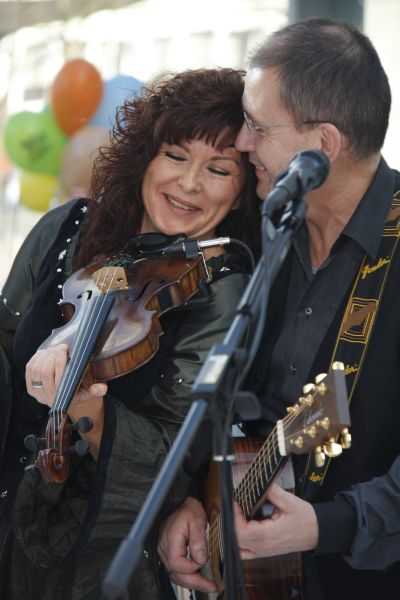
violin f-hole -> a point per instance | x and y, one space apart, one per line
87 293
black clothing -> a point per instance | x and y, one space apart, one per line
64 536
377 536
305 313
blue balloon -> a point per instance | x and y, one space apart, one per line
115 92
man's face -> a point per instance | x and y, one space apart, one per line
269 134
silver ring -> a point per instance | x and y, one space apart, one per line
37 384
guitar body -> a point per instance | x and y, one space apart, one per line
276 578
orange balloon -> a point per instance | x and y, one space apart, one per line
76 94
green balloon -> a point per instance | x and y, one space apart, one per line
34 142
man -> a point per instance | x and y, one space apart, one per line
319 85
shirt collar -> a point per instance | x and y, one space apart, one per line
366 224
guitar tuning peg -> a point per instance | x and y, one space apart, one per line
298 442
332 448
324 423
311 431
306 400
345 439
319 457
319 378
308 388
337 366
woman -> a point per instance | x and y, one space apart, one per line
171 168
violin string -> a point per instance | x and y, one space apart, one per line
56 408
79 348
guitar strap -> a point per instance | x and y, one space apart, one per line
358 322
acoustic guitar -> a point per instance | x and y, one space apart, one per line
314 423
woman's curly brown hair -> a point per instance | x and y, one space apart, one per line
197 104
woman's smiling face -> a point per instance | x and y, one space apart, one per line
190 187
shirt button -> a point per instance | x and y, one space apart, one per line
4 494
308 311
293 369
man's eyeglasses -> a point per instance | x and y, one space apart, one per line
260 130
265 130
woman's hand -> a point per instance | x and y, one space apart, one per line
44 371
43 374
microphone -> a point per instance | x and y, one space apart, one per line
307 171
192 248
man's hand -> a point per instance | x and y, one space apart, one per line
183 546
293 527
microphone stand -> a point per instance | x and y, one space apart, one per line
217 379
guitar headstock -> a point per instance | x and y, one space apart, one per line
318 417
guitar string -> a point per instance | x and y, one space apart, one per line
215 530
251 475
215 533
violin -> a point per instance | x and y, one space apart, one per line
112 313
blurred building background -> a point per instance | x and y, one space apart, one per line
146 39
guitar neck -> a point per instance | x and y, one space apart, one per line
251 490
85 342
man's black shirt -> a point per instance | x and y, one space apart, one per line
304 316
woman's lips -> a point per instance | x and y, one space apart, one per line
179 204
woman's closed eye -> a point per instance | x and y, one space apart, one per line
218 171
174 156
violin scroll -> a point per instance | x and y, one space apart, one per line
53 451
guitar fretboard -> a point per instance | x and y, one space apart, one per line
259 476
251 488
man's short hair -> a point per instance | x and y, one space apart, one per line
329 71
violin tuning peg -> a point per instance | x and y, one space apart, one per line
34 443
83 425
31 443
81 447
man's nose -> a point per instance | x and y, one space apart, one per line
245 140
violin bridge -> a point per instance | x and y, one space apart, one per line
110 278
